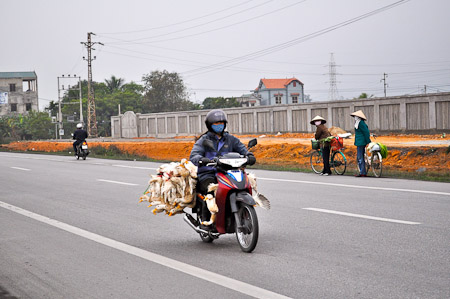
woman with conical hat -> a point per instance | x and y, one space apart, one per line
322 133
362 138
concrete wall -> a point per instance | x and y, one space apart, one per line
420 113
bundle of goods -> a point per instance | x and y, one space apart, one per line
337 143
173 188
378 147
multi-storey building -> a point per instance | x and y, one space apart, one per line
280 91
18 93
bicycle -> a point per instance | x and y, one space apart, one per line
338 161
373 158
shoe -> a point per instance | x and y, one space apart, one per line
326 174
321 173
360 175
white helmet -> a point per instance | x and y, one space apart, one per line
79 126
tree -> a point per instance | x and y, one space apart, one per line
220 102
38 125
35 125
114 84
164 92
365 96
129 96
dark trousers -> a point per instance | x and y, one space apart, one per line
202 188
77 142
326 159
360 159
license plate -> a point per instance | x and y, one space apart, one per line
84 146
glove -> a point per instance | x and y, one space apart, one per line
251 160
204 161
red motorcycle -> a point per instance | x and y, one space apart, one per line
236 212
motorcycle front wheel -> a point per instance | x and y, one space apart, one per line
247 237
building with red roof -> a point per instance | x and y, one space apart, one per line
280 91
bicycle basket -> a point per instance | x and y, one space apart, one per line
315 144
337 143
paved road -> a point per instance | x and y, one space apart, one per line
74 229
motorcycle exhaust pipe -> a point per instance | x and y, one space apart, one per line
187 218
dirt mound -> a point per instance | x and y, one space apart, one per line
336 130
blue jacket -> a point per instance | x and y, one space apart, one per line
362 134
228 143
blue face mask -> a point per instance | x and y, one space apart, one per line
218 128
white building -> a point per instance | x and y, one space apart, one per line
280 91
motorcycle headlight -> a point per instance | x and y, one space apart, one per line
234 162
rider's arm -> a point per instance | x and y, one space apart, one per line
237 146
197 152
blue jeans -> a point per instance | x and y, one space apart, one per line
360 159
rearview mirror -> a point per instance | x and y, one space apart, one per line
252 143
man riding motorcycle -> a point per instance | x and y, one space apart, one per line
216 121
79 135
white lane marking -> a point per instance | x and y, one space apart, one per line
359 187
361 216
137 167
303 182
215 278
19 168
116 182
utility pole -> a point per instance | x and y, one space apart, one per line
60 125
333 92
62 88
384 82
92 118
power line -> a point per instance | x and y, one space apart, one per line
290 43
215 29
178 23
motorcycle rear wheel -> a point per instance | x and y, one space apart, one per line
248 238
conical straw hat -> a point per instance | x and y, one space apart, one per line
318 117
359 113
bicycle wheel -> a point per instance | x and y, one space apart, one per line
316 162
339 162
376 163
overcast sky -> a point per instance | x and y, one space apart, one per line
223 48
